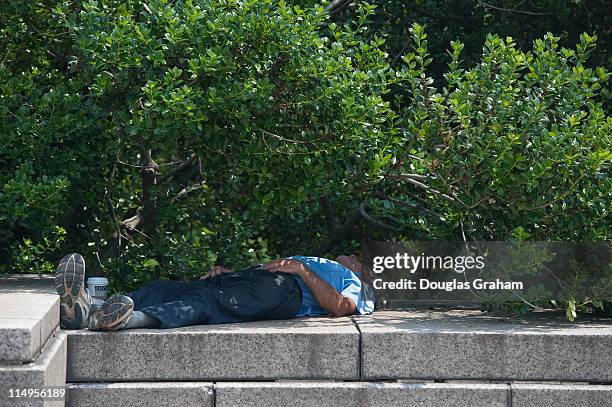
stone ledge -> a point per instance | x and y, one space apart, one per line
423 345
315 393
149 394
350 394
310 348
471 345
49 369
560 395
30 313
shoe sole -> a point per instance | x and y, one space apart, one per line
115 313
70 285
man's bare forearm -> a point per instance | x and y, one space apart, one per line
327 296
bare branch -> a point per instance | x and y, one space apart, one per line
385 197
367 217
510 10
416 176
132 223
185 191
159 165
267 133
337 5
424 187
398 55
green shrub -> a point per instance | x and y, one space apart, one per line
471 21
249 114
515 147
31 257
33 205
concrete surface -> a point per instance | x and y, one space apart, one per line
561 395
145 394
353 394
313 348
49 369
473 345
29 314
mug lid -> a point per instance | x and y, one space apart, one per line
97 280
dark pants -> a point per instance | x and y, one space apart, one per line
249 295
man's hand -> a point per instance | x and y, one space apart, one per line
285 266
214 271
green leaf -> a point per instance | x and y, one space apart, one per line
150 263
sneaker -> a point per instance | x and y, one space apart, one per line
70 285
114 314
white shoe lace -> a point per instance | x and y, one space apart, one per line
88 296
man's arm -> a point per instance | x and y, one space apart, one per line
214 271
330 300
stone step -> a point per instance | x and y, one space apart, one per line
49 369
314 348
29 313
337 394
560 395
145 394
472 345
352 394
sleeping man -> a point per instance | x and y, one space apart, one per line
297 286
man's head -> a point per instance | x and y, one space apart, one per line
350 262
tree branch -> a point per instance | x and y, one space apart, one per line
377 223
410 178
510 10
188 162
149 200
385 197
113 247
185 191
339 236
328 212
417 177
337 5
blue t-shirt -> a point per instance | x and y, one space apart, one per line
344 280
